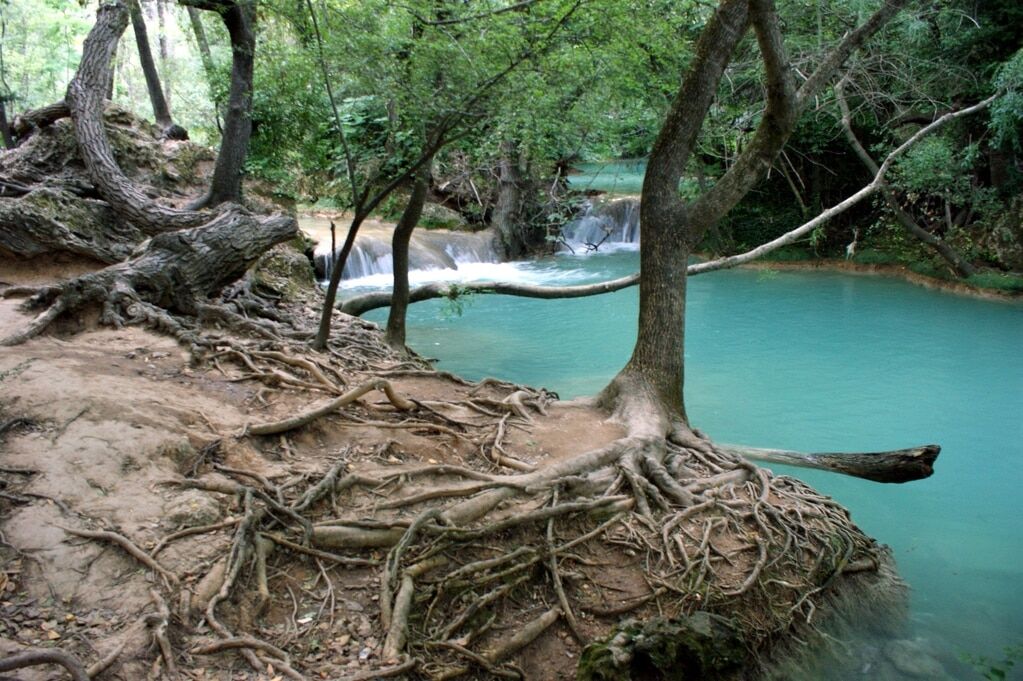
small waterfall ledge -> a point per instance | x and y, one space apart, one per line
429 250
603 225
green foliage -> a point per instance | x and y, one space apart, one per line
456 300
1007 112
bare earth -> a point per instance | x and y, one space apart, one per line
99 422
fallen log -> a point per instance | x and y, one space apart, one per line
900 465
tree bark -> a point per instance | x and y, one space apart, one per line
5 126
176 271
656 366
670 227
508 210
85 99
33 119
161 112
897 466
395 333
239 18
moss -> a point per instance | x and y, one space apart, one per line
287 270
701 646
1000 281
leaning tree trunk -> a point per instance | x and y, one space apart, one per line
395 335
161 112
85 99
654 373
175 272
239 18
673 227
959 264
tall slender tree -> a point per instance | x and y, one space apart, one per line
161 110
239 17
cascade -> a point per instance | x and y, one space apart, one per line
428 249
603 224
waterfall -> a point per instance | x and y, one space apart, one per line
604 224
429 250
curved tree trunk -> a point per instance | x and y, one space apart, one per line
85 99
239 18
671 228
395 334
26 122
192 255
655 370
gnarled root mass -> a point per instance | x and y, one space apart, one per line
175 272
473 561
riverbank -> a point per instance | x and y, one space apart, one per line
122 433
896 271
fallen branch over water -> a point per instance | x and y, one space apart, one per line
900 465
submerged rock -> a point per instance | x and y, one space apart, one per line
909 658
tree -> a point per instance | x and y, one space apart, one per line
191 255
434 100
161 111
239 17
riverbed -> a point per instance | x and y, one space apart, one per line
811 361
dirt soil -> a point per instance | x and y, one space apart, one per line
99 422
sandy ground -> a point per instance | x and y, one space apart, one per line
102 419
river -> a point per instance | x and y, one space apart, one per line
815 362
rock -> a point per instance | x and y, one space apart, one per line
436 216
191 508
909 658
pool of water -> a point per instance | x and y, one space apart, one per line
613 177
814 362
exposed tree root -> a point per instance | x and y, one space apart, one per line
47 656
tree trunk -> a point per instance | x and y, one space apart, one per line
161 112
240 20
670 228
176 271
395 335
202 43
33 119
339 260
5 126
655 370
85 99
164 48
508 211
898 466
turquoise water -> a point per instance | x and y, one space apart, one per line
815 362
614 177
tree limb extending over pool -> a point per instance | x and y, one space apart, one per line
902 465
371 301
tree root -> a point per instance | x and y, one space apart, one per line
129 547
56 656
306 417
